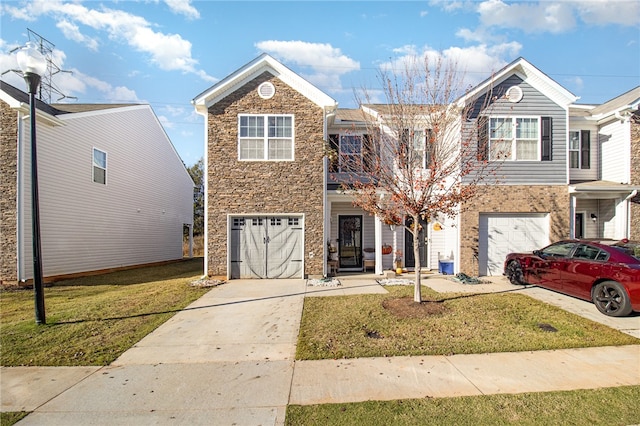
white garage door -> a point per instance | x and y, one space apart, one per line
501 234
266 247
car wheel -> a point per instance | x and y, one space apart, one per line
514 273
611 299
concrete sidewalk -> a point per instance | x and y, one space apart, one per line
228 358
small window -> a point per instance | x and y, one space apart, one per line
99 166
256 222
276 221
579 149
238 222
293 221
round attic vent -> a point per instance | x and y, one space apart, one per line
266 90
514 94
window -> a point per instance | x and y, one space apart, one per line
514 138
265 137
580 149
99 166
423 145
561 249
350 153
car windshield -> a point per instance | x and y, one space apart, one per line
561 249
632 248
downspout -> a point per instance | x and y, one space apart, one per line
325 213
628 221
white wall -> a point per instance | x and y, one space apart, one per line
614 139
136 218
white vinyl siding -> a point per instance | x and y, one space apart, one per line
614 139
137 218
265 137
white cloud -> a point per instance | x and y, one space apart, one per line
169 52
327 63
476 63
605 12
183 7
554 17
72 32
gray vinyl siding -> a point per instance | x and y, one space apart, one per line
136 218
533 103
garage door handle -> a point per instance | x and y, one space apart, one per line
267 240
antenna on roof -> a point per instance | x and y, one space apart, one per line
47 88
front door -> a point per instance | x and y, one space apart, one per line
578 230
350 243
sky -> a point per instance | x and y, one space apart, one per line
167 52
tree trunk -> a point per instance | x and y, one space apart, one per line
417 290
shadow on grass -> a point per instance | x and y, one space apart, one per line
258 299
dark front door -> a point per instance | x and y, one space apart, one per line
409 257
578 230
350 242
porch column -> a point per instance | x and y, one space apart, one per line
572 216
378 244
190 241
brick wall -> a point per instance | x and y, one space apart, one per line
8 194
635 176
511 199
265 186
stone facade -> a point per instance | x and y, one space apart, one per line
511 199
635 176
8 195
264 187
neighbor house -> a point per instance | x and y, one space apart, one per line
276 207
604 168
113 191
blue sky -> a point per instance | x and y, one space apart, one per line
165 53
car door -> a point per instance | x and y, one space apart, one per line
587 263
553 262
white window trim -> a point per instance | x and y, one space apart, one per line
266 137
94 165
514 119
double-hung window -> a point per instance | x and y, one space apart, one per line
514 138
99 166
579 149
265 137
351 153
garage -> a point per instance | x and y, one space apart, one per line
504 233
266 247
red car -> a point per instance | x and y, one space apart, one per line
607 275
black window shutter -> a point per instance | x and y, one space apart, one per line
585 148
483 138
334 143
546 139
428 147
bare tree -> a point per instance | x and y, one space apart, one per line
423 157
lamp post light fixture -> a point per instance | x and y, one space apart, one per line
33 64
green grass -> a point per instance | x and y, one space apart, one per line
341 327
93 320
609 406
8 419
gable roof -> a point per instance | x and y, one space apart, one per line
627 101
530 74
263 63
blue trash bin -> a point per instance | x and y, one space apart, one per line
445 267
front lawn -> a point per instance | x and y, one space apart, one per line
92 320
375 325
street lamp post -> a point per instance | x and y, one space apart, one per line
33 64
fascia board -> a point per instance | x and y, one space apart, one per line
254 69
74 115
528 73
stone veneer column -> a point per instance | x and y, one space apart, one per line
8 194
635 176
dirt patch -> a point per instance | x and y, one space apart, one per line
405 307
